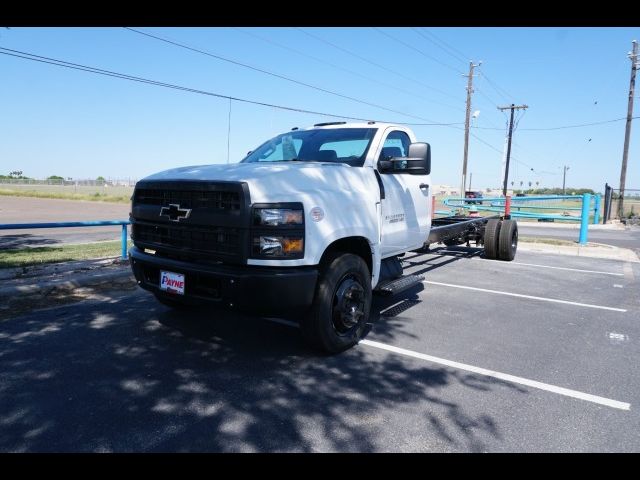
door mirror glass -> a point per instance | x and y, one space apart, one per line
417 162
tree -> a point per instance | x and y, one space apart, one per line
55 177
100 179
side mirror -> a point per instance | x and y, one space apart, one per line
419 158
418 162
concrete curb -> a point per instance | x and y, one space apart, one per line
119 276
573 226
591 250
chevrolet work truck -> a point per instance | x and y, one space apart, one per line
309 225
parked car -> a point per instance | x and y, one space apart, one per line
473 195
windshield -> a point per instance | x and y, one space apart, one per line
345 145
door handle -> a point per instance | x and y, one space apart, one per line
424 185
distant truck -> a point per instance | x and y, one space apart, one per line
309 225
473 194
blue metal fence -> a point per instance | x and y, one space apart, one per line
541 207
102 223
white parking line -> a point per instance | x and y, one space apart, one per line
563 268
483 371
502 376
588 305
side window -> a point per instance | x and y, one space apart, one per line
396 145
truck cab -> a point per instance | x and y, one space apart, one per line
307 225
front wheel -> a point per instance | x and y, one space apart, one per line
341 305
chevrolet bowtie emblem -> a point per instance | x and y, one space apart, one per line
174 212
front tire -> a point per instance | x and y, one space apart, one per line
341 305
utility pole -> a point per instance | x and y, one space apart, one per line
512 107
633 56
466 125
564 177
470 177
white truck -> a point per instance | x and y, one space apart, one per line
309 225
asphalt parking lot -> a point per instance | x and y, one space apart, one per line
540 354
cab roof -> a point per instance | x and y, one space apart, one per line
372 124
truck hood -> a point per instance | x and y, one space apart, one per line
275 182
239 171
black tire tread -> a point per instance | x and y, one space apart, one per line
316 326
491 237
505 252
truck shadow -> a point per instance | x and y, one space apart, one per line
387 312
25 240
126 374
439 257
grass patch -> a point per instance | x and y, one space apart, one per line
22 257
94 197
549 241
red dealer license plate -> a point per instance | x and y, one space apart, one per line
172 282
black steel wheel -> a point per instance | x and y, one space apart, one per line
491 237
508 241
341 305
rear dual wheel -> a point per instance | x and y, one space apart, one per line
508 241
500 239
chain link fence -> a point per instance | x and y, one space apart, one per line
61 188
61 182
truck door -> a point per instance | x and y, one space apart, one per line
406 208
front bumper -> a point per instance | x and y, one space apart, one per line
263 290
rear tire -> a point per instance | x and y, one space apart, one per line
491 237
508 241
341 305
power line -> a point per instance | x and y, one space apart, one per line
498 150
438 45
487 97
109 73
370 62
498 90
282 77
338 67
431 57
453 49
565 126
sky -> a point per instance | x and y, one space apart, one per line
61 121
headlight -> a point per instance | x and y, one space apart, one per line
278 246
277 231
274 217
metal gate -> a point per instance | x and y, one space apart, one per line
612 200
